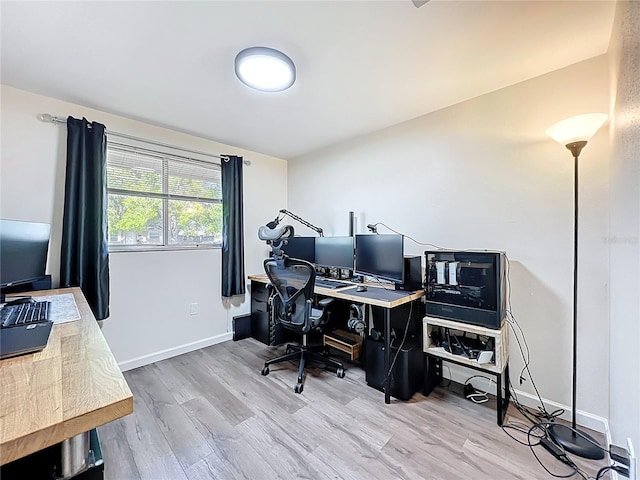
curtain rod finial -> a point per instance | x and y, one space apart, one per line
225 158
45 117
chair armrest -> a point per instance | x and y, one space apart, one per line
325 302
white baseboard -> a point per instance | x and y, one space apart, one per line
173 351
585 419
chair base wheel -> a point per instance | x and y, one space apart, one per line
265 370
340 373
298 388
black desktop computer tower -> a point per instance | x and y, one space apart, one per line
409 312
412 274
407 374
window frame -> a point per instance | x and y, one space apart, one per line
164 158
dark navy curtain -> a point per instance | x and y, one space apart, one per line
84 258
233 281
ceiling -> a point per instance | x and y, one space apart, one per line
361 65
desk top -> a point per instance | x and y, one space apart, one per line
375 294
70 387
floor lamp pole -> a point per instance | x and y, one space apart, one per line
571 439
574 384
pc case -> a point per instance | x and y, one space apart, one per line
412 280
466 286
407 373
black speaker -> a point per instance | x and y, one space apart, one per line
407 373
412 274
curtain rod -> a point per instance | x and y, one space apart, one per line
48 118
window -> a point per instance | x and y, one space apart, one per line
156 199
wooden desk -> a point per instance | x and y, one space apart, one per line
373 296
70 387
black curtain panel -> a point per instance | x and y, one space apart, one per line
233 281
84 258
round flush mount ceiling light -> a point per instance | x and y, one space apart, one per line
265 69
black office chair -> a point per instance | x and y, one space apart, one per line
292 306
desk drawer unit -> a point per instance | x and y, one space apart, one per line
260 312
262 327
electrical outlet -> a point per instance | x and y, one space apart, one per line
193 309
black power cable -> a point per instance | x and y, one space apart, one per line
404 338
373 228
602 471
555 451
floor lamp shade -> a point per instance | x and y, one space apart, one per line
574 133
576 129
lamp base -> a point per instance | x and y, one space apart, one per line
581 444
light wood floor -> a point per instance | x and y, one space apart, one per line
209 414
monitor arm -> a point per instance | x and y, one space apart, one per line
284 213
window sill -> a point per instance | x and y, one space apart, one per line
166 248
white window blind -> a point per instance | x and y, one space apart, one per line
158 199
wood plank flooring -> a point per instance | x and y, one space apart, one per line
209 414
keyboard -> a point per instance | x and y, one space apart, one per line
322 282
24 314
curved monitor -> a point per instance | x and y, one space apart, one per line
334 252
23 251
380 256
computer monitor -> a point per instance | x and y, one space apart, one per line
23 251
303 248
380 256
334 252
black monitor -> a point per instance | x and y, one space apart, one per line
23 251
334 252
380 256
303 248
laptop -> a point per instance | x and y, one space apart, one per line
27 334
23 339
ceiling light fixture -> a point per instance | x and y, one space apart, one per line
265 69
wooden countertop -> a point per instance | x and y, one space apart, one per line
373 296
70 387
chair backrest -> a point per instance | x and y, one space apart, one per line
293 281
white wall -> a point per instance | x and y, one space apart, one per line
150 291
624 54
483 174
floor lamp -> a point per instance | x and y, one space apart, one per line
574 133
